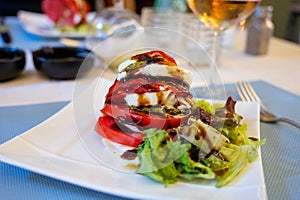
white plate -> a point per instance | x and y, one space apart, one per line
39 24
55 149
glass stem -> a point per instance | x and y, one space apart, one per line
213 82
216 49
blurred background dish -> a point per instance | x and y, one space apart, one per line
60 18
109 21
61 63
39 24
12 63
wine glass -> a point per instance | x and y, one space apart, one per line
219 15
109 21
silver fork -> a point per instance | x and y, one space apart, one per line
247 93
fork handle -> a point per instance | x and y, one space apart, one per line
289 121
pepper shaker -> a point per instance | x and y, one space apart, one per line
260 30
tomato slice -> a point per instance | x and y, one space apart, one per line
142 120
107 127
151 55
126 87
65 11
118 91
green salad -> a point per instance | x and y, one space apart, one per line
212 146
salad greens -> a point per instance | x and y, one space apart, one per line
165 160
220 149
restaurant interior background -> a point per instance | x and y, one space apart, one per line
286 14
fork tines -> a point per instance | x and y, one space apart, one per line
246 92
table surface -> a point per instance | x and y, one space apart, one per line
280 69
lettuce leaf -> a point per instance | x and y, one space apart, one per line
217 115
164 160
211 109
189 169
234 156
156 155
238 158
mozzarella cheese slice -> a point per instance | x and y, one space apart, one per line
167 71
202 135
124 64
151 98
158 70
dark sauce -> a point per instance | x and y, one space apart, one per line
220 172
143 100
163 80
201 133
130 154
160 97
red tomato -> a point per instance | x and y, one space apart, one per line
118 91
167 60
128 87
65 11
107 128
142 120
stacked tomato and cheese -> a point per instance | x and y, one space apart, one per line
150 91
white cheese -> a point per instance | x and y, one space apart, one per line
121 75
186 103
167 71
157 70
151 98
202 135
124 64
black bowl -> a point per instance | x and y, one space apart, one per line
60 62
12 63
